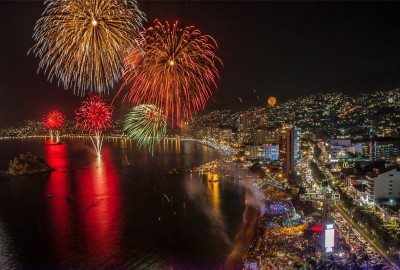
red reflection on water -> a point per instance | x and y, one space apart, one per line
85 206
58 187
99 195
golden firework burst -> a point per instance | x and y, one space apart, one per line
80 42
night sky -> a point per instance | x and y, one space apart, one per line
281 49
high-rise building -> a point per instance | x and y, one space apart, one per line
271 152
252 127
297 143
246 128
286 148
260 136
254 152
271 136
225 134
384 148
262 152
383 184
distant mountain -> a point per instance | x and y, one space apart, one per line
367 83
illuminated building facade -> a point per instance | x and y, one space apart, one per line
286 149
384 148
297 143
383 184
246 127
271 152
271 136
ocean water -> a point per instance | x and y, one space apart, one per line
121 211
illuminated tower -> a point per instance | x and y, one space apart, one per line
286 148
297 143
260 136
246 128
271 136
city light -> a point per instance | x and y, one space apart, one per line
269 149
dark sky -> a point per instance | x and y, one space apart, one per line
282 49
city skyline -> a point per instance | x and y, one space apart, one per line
285 50
211 135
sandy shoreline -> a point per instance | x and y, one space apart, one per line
243 238
248 229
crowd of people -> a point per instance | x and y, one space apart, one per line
277 208
279 242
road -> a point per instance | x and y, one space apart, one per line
378 250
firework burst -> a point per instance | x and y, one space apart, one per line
93 117
175 71
80 41
53 121
146 125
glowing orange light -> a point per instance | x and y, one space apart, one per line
271 101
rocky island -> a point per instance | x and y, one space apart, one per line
26 164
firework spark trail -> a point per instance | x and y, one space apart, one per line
93 117
175 71
80 42
53 121
146 125
167 198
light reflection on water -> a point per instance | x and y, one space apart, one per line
7 258
113 211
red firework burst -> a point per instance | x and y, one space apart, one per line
174 70
93 116
54 119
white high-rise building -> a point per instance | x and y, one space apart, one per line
384 184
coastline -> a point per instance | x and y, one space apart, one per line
247 239
59 199
243 239
250 216
246 235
